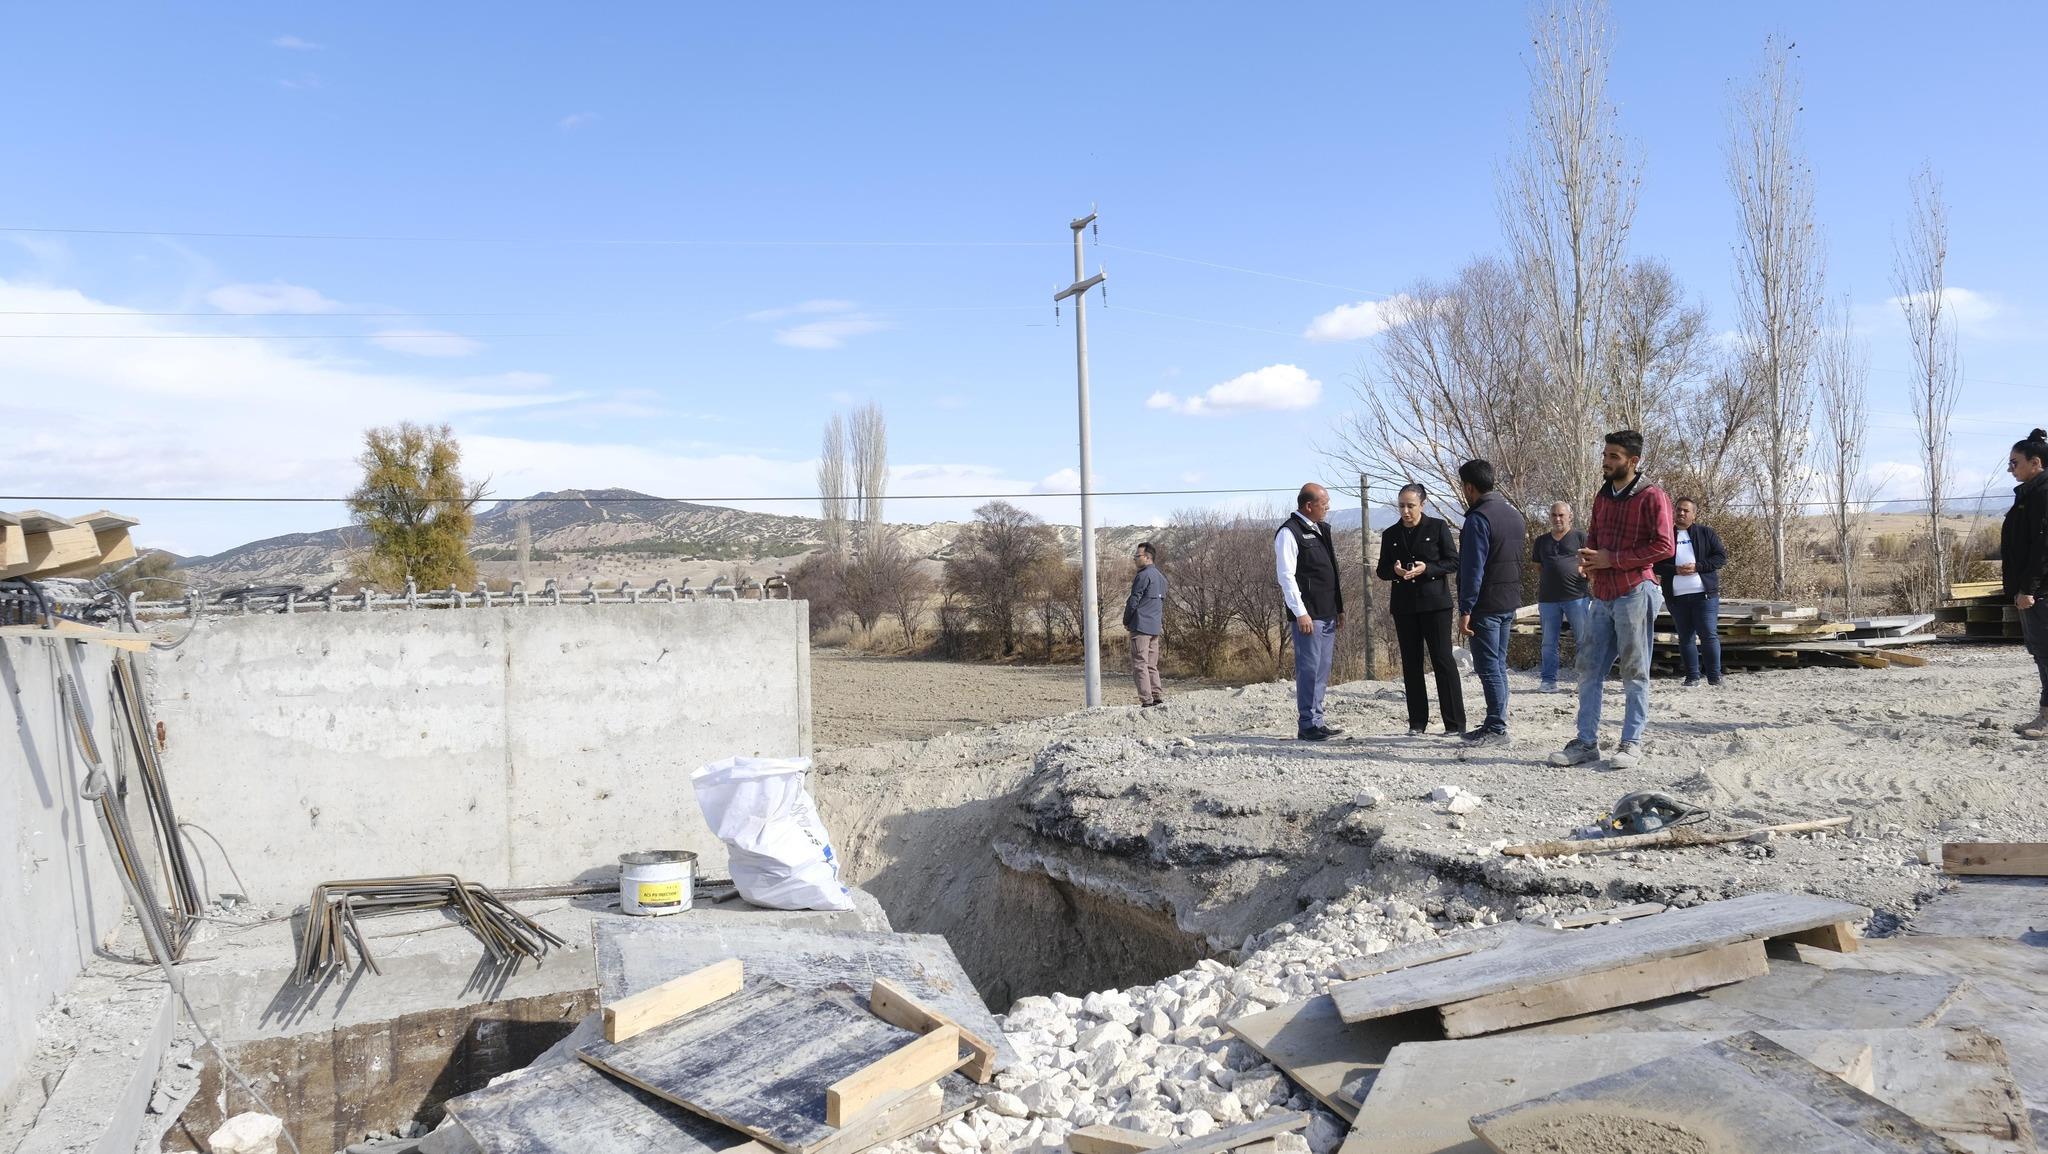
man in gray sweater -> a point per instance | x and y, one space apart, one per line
1145 620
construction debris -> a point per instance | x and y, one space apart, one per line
1984 609
1784 635
332 913
1675 836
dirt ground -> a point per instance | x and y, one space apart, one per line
859 700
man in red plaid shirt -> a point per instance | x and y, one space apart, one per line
1631 531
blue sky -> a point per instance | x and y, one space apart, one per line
507 171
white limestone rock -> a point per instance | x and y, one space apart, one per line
1008 1105
248 1133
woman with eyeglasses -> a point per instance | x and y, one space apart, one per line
2023 555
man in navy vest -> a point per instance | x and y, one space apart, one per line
1489 591
1306 564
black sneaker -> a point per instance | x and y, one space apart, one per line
1312 735
1331 730
1690 683
1417 730
1489 739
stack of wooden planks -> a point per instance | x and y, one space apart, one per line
1984 609
1672 1031
35 544
1783 635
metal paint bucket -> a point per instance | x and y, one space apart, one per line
655 882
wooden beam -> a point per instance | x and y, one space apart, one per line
112 546
1113 1140
13 545
1606 989
672 999
78 631
923 1061
2007 858
1839 937
55 549
896 1116
895 1005
37 521
1681 835
1242 1134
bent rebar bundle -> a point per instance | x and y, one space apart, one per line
332 920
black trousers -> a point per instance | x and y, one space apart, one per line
1431 629
2033 627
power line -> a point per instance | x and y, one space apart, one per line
1244 270
644 242
1980 497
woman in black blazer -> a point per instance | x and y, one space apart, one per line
1419 555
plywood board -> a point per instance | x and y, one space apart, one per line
634 955
759 1061
1740 1095
1332 1059
1453 945
1242 1134
1113 1140
1790 995
2003 908
2004 858
1957 1081
1428 1091
574 1107
1585 993
1665 935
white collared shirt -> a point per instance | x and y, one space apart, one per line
1286 552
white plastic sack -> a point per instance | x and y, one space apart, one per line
780 853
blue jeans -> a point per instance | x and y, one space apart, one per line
1697 616
1617 630
1312 671
1556 615
1490 661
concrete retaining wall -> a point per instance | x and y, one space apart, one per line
59 895
511 746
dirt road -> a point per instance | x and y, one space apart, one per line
857 700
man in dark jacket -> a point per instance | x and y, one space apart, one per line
1692 590
1145 620
1561 597
1489 591
1419 556
2023 560
1305 564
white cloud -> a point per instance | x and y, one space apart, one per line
1273 388
296 44
426 342
829 334
1059 481
837 321
576 120
1355 322
276 297
1972 311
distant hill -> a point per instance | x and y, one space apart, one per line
602 535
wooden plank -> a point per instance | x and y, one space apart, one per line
903 1113
1452 945
1334 1060
1739 1095
573 1107
672 999
1243 1134
758 1061
1606 917
54 549
1791 995
78 631
111 547
37 521
1113 1140
1605 989
634 954
895 1005
2004 858
1839 937
1957 1081
920 1063
13 546
1429 1090
1601 948
1673 836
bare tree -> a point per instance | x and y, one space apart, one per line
1249 592
1567 201
1845 412
1055 591
1709 438
832 488
1198 607
1778 281
991 565
1453 380
1919 272
1658 350
870 447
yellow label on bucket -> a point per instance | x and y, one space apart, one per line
661 893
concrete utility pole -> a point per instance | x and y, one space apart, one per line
1091 630
1369 546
